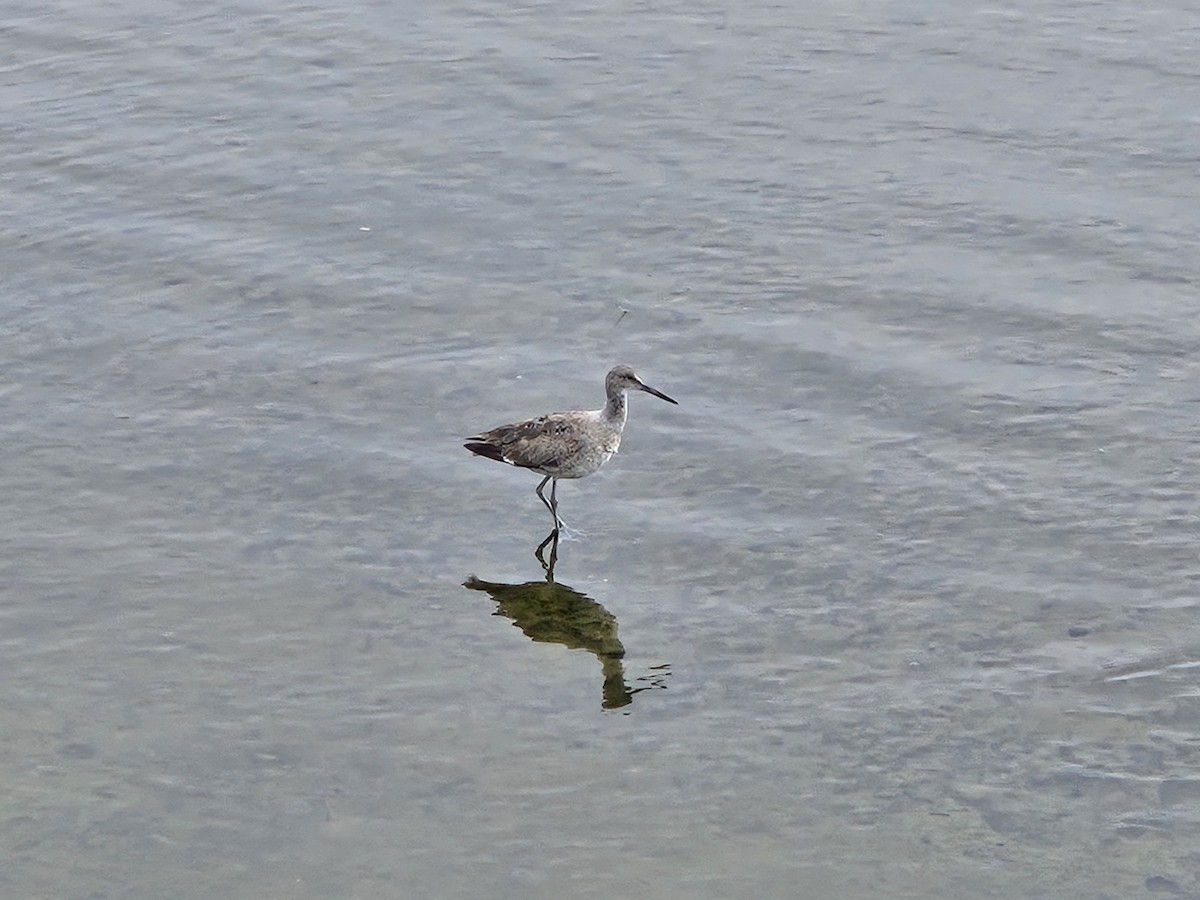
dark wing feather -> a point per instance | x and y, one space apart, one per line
491 451
546 442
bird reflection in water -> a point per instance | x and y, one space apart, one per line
555 613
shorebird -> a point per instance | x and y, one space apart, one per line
566 444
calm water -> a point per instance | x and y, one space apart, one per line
900 601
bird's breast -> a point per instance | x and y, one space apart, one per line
587 460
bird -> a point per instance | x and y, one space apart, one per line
565 444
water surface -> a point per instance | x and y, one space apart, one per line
905 588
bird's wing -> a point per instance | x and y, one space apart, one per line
546 442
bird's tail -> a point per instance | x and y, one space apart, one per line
482 448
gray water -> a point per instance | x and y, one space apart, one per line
900 601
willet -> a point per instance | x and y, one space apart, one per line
566 444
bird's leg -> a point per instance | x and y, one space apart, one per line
568 533
547 503
558 523
552 540
552 503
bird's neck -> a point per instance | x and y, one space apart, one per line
614 410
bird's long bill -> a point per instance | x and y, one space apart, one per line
659 394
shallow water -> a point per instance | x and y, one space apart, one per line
904 590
